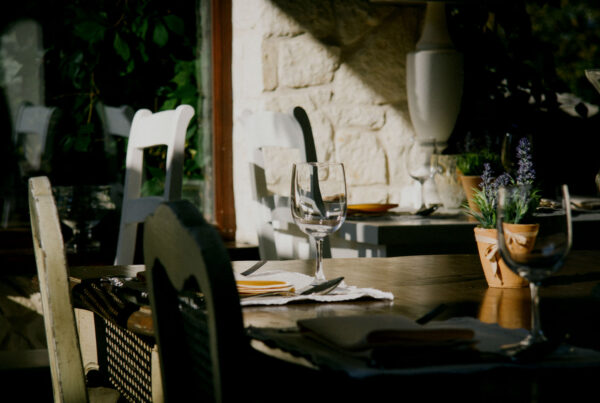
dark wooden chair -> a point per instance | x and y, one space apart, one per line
203 348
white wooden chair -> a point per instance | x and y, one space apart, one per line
116 123
30 137
66 366
149 130
278 235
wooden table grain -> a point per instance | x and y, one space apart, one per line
569 299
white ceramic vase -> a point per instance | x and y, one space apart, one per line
434 74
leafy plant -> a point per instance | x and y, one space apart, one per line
142 54
473 163
522 204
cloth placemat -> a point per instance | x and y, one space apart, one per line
343 292
486 355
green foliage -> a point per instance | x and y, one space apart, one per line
141 54
471 163
571 28
521 203
487 207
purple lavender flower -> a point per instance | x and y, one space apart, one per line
525 173
486 176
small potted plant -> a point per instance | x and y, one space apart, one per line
471 167
485 199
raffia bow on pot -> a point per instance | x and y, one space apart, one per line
497 273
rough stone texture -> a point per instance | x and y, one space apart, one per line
369 194
365 116
269 62
305 62
363 157
343 61
278 168
356 17
314 16
396 135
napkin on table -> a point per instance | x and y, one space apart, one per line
343 292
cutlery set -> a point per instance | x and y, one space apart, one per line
252 289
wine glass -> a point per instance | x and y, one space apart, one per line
318 203
419 164
81 207
535 253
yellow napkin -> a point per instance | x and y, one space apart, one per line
257 287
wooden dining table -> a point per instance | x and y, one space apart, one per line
436 287
452 286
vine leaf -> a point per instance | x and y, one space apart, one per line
174 23
121 47
160 34
90 31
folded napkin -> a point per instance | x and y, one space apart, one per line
327 343
258 287
586 203
343 292
355 333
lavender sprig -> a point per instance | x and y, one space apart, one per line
525 173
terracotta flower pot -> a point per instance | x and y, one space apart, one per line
496 272
470 183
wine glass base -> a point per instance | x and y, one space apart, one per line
75 246
529 349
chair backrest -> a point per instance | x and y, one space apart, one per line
166 128
195 306
68 379
278 236
116 121
30 132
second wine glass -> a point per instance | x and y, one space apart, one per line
419 164
318 203
535 251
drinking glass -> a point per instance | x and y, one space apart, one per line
81 207
419 164
318 203
537 252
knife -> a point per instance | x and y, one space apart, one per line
253 268
324 287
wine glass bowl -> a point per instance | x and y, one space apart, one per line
534 251
419 165
81 208
318 203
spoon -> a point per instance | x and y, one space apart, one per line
428 210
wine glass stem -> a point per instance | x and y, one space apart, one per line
422 195
319 275
536 334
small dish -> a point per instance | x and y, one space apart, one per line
370 208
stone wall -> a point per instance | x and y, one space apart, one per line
344 62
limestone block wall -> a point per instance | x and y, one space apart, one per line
343 61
